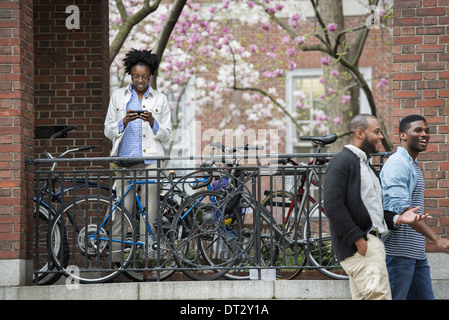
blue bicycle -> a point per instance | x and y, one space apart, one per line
50 198
94 254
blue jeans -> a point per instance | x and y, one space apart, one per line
409 278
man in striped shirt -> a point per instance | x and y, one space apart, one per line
403 188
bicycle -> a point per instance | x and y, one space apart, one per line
87 224
208 236
49 198
303 236
288 245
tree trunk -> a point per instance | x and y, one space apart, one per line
164 36
332 12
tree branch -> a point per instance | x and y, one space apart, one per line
350 62
127 25
121 10
280 106
170 23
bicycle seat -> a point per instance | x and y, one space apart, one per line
322 140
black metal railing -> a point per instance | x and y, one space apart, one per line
235 217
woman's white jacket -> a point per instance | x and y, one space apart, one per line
157 104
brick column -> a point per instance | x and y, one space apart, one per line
50 75
72 72
16 139
421 77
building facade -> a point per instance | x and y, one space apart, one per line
54 73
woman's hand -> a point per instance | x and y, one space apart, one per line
148 117
130 116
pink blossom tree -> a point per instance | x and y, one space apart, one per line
203 44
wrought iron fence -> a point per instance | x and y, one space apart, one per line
234 217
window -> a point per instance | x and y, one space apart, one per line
303 92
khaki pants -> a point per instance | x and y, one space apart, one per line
368 276
148 197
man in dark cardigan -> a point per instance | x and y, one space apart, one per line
353 204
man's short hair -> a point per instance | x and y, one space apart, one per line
359 121
405 123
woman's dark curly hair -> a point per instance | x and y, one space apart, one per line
141 57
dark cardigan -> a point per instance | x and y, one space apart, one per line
348 216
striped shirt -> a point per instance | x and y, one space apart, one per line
405 241
131 145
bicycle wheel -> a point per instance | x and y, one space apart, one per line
87 224
287 251
43 266
315 230
239 225
158 262
204 248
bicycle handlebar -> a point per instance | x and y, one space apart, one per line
55 135
284 161
58 134
86 148
65 130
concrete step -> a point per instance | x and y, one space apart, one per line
214 290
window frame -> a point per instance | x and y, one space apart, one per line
289 90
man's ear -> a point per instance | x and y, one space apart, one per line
360 134
403 136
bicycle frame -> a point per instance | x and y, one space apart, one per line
141 210
308 178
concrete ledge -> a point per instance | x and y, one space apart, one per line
185 290
204 290
439 272
214 290
198 290
110 291
312 289
16 272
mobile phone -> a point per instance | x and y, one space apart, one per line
139 111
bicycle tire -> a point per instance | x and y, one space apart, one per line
43 273
241 270
157 270
315 229
196 223
90 260
288 258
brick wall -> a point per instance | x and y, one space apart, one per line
16 124
68 71
72 73
420 87
49 76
